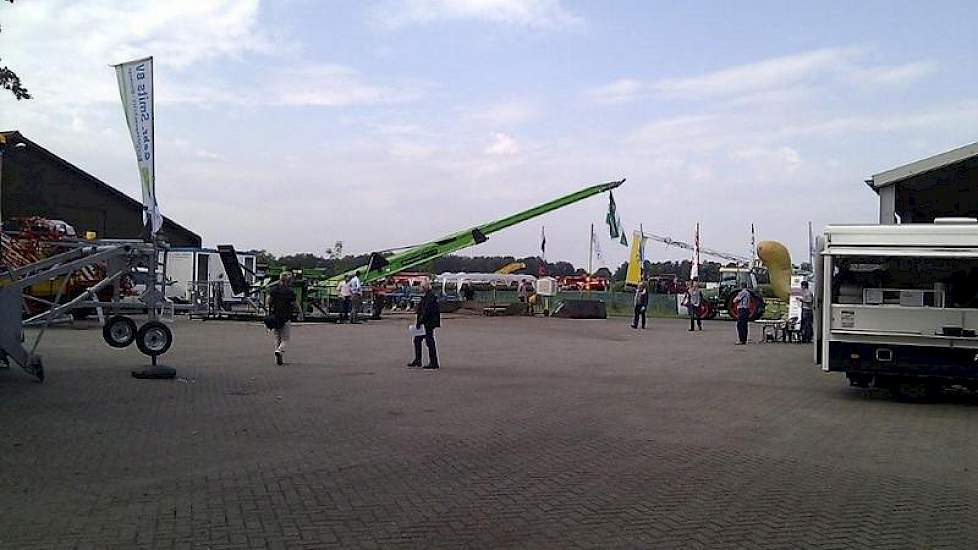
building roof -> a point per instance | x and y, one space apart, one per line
926 165
14 136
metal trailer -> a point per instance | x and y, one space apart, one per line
897 305
128 265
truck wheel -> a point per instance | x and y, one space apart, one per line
154 338
915 390
119 331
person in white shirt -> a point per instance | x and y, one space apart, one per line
355 295
343 289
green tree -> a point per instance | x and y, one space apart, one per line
10 81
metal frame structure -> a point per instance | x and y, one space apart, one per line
137 260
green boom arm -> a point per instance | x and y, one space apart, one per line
380 267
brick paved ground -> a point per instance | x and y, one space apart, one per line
537 433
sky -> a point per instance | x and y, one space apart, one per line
288 125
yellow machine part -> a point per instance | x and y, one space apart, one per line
634 274
510 268
778 263
46 289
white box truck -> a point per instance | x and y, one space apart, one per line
897 305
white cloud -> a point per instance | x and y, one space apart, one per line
621 90
207 155
783 78
409 151
332 86
502 145
62 49
548 14
763 75
898 75
506 113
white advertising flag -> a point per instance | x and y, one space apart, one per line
136 89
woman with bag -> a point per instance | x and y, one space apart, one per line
281 304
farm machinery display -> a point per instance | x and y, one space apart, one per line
316 290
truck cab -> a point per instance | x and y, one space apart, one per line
897 305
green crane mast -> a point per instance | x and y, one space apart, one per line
384 266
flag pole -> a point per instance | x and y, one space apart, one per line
590 255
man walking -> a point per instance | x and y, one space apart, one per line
429 317
343 289
281 303
693 299
807 299
742 302
355 300
641 304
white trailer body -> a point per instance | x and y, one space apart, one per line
187 267
898 304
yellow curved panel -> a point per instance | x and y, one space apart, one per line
778 263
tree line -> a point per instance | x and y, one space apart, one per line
334 263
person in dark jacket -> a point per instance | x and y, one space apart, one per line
429 317
641 304
281 305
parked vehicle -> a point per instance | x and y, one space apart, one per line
897 305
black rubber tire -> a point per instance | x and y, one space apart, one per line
915 391
154 338
119 331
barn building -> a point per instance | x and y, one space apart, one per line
36 182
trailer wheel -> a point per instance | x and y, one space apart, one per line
154 338
119 331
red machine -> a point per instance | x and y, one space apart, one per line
666 284
582 283
32 239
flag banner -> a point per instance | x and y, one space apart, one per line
695 270
136 89
623 241
753 247
633 276
597 248
612 218
543 243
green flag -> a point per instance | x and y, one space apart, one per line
612 217
622 240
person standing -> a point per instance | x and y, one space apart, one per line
429 317
355 299
742 302
693 299
641 304
281 304
807 299
343 289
